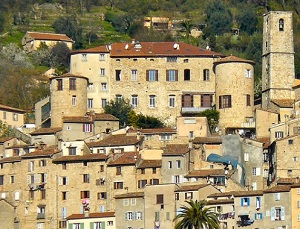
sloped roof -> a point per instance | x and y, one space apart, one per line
69 75
220 201
100 49
150 164
49 36
153 49
287 103
47 152
130 195
158 131
208 173
279 188
190 187
7 108
85 157
5 139
88 119
176 149
42 131
10 159
116 140
208 140
128 158
232 58
237 194
92 215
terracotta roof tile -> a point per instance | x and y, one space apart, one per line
86 157
208 172
208 140
237 194
130 195
20 146
158 131
68 75
100 49
265 140
154 49
7 108
49 36
128 158
279 188
221 194
10 159
233 59
150 164
92 215
5 139
220 201
116 140
176 149
47 152
286 181
189 187
88 119
42 131
283 102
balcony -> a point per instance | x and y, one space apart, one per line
192 110
248 124
242 223
41 216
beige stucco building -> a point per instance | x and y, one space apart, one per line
12 117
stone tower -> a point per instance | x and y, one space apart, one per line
278 72
234 93
68 97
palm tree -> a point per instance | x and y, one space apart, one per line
197 216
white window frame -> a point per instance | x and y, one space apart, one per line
206 76
139 215
172 101
152 101
90 103
172 75
74 100
103 103
248 73
134 101
102 71
84 57
134 75
90 87
101 56
278 134
152 75
104 86
129 215
178 164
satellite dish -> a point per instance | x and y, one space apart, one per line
126 46
175 46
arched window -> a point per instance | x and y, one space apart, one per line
281 24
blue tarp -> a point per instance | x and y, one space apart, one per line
223 159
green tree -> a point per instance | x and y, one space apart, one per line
144 121
5 130
247 20
187 26
119 108
212 118
196 216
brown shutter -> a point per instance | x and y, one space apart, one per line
147 75
91 127
176 75
156 75
229 99
202 100
167 75
192 101
83 127
220 102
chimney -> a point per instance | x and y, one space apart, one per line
86 212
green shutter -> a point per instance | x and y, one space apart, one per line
70 225
102 225
81 225
91 225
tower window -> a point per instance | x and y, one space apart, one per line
281 24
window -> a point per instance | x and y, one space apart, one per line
281 24
102 71
295 158
63 181
101 57
142 183
16 152
224 101
40 225
119 97
172 100
134 101
98 225
83 57
110 223
118 185
142 170
188 195
172 59
277 196
118 75
41 210
133 201
152 101
169 164
258 216
187 74
139 215
43 163
101 195
157 216
87 127
154 170
129 216
206 100
103 103
154 181
298 217
160 199
277 213
191 134
90 87
103 86
1 179
74 100
90 103
63 195
12 179
118 170
248 73
206 75
15 117
59 84
185 60
76 226
4 115
84 194
176 179
31 194
62 224
255 171
101 168
86 178
134 75
72 84
291 141
248 101
178 164
246 156
165 137
172 75
152 75
30 166
72 150
64 165
43 194
278 134
245 201
258 203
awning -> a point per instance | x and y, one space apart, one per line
241 213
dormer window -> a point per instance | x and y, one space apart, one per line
281 24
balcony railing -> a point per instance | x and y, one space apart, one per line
194 109
242 223
41 216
